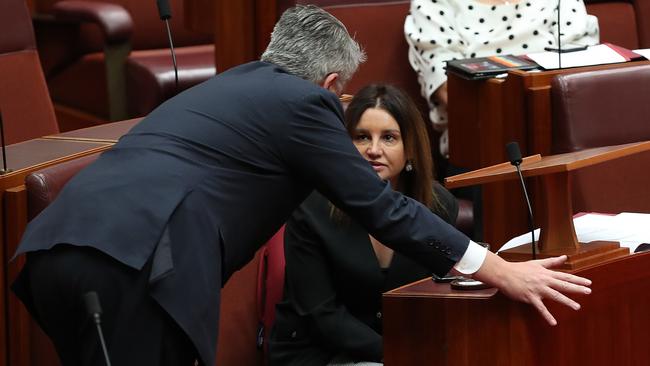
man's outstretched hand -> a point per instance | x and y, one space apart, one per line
533 281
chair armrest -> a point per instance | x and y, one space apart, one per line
114 21
465 219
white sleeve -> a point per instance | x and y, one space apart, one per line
472 260
432 39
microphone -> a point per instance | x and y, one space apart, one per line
559 37
164 10
514 155
165 13
94 309
4 169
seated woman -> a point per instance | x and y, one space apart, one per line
443 30
331 312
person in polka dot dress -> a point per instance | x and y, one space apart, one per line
441 30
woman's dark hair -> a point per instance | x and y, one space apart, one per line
417 183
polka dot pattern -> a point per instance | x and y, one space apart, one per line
441 30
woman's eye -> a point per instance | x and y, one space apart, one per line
389 138
361 138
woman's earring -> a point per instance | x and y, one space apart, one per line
409 166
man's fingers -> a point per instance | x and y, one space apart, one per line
568 287
552 262
539 305
572 278
559 297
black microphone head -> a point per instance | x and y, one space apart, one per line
92 303
514 154
164 10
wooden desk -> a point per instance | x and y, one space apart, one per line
484 116
430 324
108 132
24 158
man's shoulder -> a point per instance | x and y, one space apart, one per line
276 82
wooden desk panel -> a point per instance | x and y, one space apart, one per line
108 132
35 154
429 324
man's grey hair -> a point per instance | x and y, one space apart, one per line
310 43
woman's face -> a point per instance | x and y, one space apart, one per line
378 138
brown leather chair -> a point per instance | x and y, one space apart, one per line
43 186
622 22
24 100
109 60
238 319
602 108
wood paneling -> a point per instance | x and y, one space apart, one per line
430 324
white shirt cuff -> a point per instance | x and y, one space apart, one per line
472 260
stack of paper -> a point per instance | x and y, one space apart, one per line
645 52
593 55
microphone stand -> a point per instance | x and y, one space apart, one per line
4 169
559 36
171 48
514 154
531 223
94 309
165 13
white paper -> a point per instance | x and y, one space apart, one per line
629 229
519 240
644 52
593 55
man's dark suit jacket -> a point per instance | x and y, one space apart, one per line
333 286
212 173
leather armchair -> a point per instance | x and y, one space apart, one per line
270 285
110 60
43 186
602 108
24 99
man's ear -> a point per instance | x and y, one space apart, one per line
331 83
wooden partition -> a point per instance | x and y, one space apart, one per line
430 324
241 28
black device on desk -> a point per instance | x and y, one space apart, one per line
460 282
487 67
566 49
642 248
445 279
